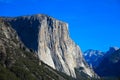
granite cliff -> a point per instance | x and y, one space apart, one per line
17 62
50 39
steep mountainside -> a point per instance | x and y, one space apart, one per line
110 65
20 63
93 57
50 39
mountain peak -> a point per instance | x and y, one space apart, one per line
112 49
110 64
91 52
93 57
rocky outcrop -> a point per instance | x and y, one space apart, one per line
50 39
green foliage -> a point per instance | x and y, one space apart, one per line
22 73
110 78
82 76
27 68
6 74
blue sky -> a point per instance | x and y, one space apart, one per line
93 24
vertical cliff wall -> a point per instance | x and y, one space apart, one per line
50 39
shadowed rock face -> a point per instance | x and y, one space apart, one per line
50 38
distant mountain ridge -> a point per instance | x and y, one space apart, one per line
112 50
93 57
105 64
110 63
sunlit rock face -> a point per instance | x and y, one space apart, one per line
50 39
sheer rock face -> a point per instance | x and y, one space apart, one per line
50 38
17 62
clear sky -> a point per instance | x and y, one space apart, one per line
93 24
